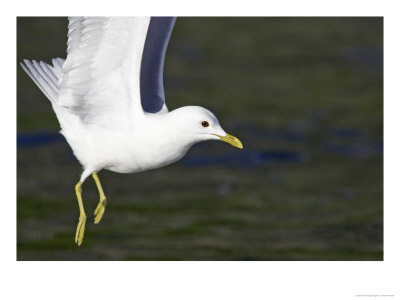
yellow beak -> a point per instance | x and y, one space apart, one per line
230 139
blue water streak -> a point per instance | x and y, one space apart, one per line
38 138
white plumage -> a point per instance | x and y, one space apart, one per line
96 95
103 63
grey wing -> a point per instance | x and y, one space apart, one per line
152 66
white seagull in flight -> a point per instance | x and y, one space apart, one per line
108 96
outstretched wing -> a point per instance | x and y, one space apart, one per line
101 75
151 74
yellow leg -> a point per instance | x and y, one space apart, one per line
80 229
101 207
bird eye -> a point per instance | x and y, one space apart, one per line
205 124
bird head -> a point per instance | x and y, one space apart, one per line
199 124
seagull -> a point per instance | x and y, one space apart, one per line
108 96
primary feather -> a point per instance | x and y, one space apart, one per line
151 72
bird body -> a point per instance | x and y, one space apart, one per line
108 96
138 149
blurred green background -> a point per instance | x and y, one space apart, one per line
305 96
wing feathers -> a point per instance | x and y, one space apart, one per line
46 78
41 79
57 65
34 75
151 77
113 69
100 81
49 70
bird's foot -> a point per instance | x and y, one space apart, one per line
101 207
80 230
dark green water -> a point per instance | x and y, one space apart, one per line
305 96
